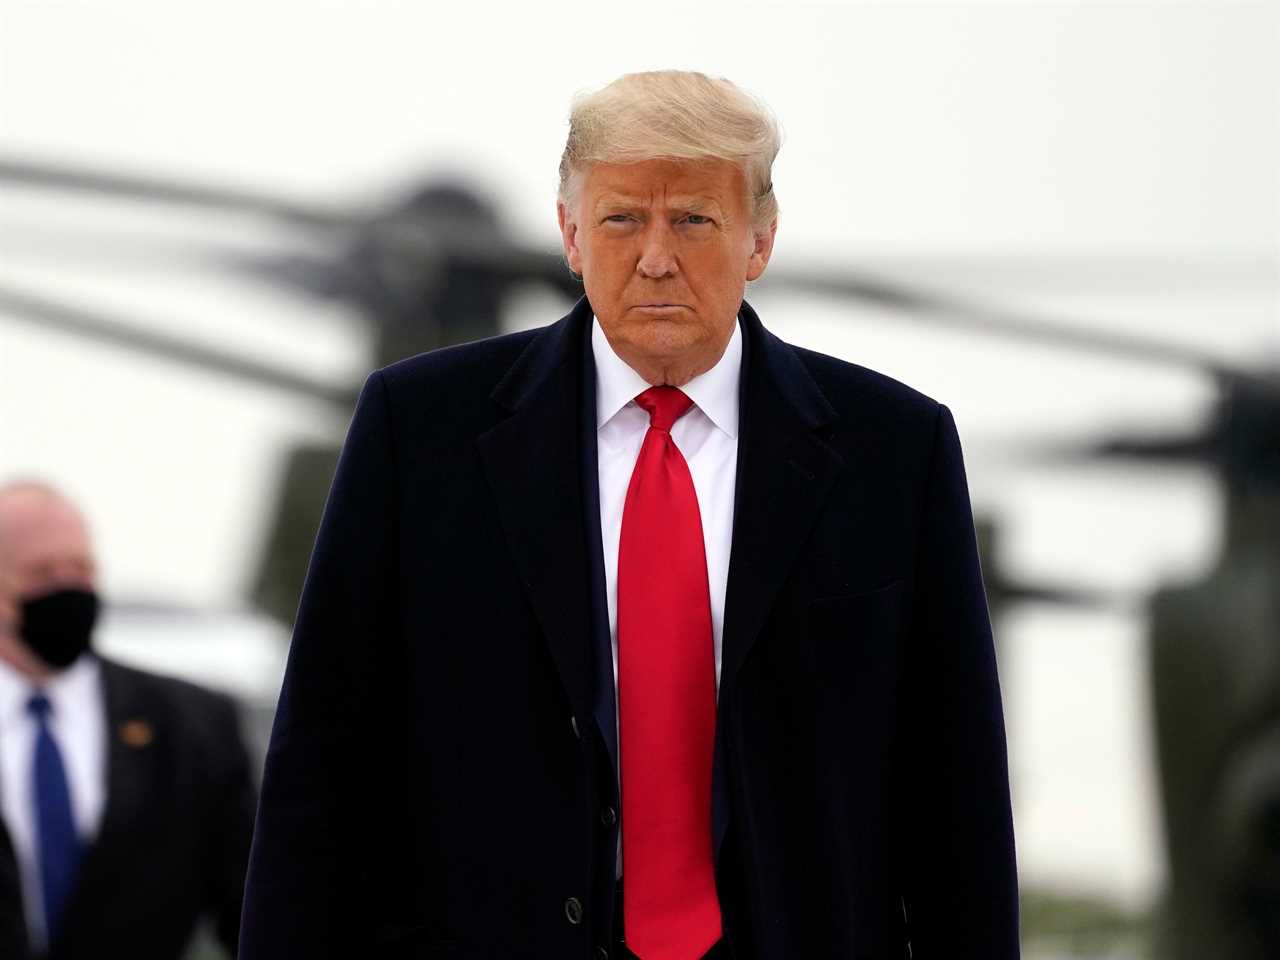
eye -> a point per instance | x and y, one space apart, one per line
617 218
697 219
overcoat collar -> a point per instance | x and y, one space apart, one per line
533 457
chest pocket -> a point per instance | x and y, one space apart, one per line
857 639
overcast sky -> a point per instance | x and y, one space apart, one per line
948 126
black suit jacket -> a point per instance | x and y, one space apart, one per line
440 779
175 832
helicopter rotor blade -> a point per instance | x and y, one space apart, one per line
1188 449
1201 447
944 310
511 261
458 240
1010 593
53 176
17 306
445 242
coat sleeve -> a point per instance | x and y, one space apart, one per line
959 877
308 887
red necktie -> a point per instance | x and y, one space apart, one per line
666 700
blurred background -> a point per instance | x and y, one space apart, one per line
215 219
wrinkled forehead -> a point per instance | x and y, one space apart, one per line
37 526
663 181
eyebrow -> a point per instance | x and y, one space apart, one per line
689 204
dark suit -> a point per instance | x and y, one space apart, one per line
440 780
174 837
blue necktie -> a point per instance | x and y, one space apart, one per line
56 840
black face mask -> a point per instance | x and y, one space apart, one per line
57 626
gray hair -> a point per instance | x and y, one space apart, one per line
674 114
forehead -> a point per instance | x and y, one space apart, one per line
35 526
652 181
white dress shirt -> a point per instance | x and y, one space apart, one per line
707 437
78 724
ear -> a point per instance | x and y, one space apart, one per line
762 250
569 237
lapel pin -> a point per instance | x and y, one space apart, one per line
136 733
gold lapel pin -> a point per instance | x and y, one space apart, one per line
136 733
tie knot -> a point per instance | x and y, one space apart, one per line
39 706
666 405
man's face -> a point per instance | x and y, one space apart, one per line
44 546
665 249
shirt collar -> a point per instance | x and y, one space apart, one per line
714 392
68 687
14 691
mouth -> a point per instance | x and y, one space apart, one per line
660 307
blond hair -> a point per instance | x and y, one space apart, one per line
674 114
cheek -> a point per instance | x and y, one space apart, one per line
720 269
606 260
36 584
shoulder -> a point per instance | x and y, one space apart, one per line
443 397
467 368
869 399
190 705
889 432
466 371
195 733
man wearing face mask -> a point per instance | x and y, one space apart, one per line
126 803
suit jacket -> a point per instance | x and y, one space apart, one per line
440 780
174 838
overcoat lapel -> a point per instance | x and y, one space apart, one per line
531 459
785 471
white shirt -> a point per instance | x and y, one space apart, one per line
707 437
78 724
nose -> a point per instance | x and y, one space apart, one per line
657 251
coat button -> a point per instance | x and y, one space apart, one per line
573 910
601 954
608 816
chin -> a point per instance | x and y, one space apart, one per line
668 338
